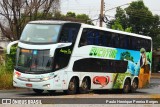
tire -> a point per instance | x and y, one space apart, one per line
72 87
38 91
51 91
134 86
85 86
127 86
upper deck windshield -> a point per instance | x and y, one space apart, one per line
40 33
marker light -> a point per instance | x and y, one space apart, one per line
17 74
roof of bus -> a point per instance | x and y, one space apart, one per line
115 31
88 26
51 22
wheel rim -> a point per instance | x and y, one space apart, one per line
72 85
134 85
126 86
85 84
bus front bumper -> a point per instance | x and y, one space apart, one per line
51 84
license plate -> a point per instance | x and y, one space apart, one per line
29 85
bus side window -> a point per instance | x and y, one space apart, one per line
123 41
104 40
129 43
114 40
134 43
83 39
96 37
90 38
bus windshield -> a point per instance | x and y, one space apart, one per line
34 61
40 33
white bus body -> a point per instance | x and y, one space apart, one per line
75 57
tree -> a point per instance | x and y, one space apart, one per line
138 17
16 13
141 18
117 26
71 16
121 16
85 18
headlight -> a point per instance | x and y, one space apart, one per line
47 78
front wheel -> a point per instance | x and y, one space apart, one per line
38 91
72 87
127 86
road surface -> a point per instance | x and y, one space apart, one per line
152 89
151 93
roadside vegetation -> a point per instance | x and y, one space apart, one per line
5 78
6 69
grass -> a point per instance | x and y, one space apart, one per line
6 78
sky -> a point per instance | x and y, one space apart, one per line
92 7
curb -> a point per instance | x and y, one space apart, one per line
155 75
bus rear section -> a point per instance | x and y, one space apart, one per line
113 59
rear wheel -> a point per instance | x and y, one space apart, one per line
72 87
84 86
127 86
38 91
134 85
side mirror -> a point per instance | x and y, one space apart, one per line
10 45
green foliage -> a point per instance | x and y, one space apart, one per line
71 16
6 71
84 17
11 59
156 41
129 29
137 18
118 26
122 18
126 55
6 78
141 18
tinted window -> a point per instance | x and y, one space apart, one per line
69 33
110 39
100 65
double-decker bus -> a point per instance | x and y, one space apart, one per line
76 58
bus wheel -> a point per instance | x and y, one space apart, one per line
127 86
72 87
38 91
84 86
51 91
134 85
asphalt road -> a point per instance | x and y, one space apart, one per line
92 99
152 89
